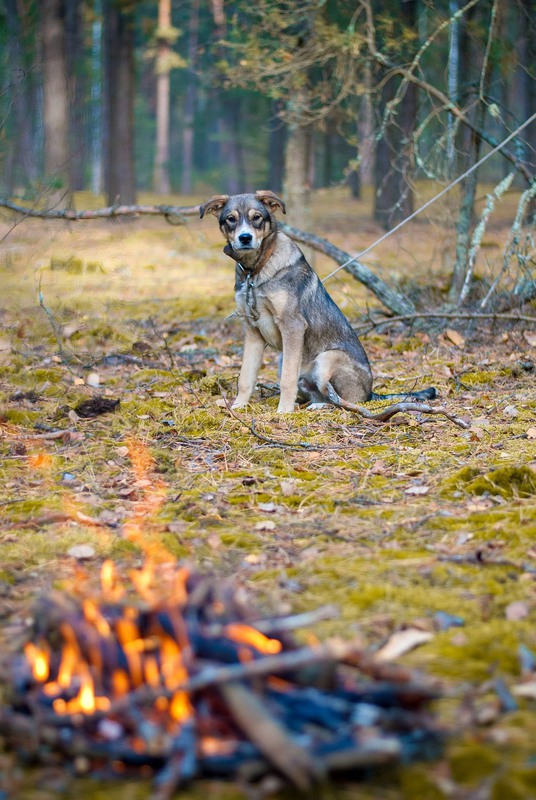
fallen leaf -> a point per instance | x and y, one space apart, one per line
455 337
530 337
265 525
417 490
402 642
510 411
93 379
531 433
516 610
288 487
122 451
81 551
270 508
525 690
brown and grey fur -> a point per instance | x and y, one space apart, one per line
284 305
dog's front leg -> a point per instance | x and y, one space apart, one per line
292 337
253 349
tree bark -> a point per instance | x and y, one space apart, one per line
394 194
55 99
161 163
190 101
296 183
277 138
119 82
527 79
19 164
76 88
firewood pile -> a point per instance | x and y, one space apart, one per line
186 681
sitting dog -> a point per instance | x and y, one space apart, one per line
284 305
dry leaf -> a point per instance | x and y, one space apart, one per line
455 337
402 642
270 508
288 487
516 610
531 433
417 490
265 525
81 551
530 337
525 690
93 379
510 411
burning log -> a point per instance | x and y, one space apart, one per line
189 683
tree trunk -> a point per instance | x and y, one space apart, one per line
394 195
296 184
119 82
55 99
19 166
469 65
365 133
95 114
277 138
527 79
161 163
76 91
190 101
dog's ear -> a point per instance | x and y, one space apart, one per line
270 199
215 204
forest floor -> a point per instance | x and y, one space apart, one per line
393 523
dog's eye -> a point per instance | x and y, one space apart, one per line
257 217
230 220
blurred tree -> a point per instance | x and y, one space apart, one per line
20 163
55 101
118 34
190 100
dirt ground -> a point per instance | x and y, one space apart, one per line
413 524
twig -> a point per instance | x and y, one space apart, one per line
479 559
260 436
55 518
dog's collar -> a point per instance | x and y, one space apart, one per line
228 250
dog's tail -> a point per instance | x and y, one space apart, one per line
424 394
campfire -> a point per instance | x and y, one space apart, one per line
184 680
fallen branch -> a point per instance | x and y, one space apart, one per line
443 315
397 408
393 300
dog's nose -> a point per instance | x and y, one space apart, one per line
245 238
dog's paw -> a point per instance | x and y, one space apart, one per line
317 406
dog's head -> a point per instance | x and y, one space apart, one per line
245 219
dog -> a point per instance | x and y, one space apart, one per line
284 305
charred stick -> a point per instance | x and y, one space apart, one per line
254 718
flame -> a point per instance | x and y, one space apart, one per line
38 659
85 702
248 635
111 587
180 707
93 615
210 746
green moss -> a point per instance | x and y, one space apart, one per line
19 416
472 762
508 482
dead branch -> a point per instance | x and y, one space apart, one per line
397 408
393 300
443 315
